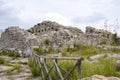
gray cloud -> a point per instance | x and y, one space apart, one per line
116 2
7 16
26 13
89 19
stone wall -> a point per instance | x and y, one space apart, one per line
46 27
98 36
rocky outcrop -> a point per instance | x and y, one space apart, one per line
51 35
10 72
111 56
46 27
98 36
17 39
58 40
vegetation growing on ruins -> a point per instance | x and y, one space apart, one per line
30 31
47 41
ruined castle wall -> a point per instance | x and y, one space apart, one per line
46 27
98 36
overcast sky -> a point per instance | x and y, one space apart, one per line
79 13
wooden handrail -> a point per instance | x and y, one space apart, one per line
41 62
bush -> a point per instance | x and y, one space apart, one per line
2 61
9 53
39 51
51 49
30 31
34 69
90 52
64 53
47 41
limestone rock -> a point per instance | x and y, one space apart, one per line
17 39
96 57
21 61
98 36
114 56
4 68
60 37
100 77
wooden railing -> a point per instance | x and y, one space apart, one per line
46 65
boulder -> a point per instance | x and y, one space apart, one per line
4 68
100 77
114 56
17 39
96 57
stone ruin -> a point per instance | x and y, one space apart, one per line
98 36
46 27
60 37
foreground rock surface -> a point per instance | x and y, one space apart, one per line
100 77
23 74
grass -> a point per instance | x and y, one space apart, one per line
47 41
66 65
10 54
103 67
34 69
81 51
2 61
15 67
39 51
30 31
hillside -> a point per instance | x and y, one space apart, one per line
99 48
52 35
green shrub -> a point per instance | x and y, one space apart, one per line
115 38
47 41
51 49
90 52
34 69
39 51
30 31
115 50
2 61
64 53
9 53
